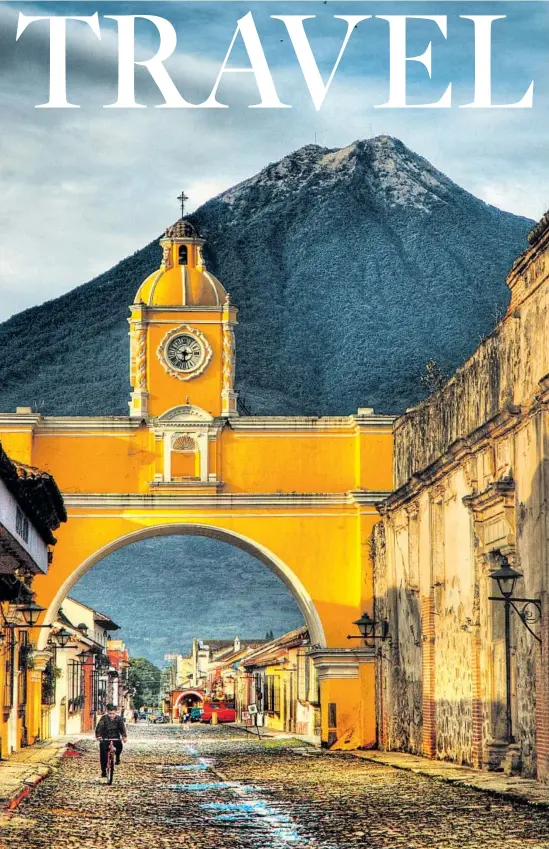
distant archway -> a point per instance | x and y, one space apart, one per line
189 693
290 580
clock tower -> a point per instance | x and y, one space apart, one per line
182 349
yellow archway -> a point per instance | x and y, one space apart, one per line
298 492
294 585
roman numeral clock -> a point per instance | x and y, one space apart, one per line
184 352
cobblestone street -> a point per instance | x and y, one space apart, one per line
209 787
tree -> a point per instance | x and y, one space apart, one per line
434 376
269 635
144 677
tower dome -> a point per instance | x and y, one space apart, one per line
182 279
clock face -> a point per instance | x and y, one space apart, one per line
184 352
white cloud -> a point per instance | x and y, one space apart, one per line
83 188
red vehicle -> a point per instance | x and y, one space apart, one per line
225 711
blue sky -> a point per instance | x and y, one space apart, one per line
92 185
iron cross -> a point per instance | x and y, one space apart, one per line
182 198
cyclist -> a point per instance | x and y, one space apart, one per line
110 727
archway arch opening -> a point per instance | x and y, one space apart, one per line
258 552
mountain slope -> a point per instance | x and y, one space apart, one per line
215 592
351 268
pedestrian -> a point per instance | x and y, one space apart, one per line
135 716
110 727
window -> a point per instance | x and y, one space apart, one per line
22 525
272 694
9 664
303 669
183 255
22 679
75 687
99 696
49 680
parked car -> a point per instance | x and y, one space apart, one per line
225 711
161 718
195 714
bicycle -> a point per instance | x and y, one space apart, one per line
111 759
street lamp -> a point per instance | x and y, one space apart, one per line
506 579
63 636
367 627
85 655
31 612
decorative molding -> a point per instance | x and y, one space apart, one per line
379 424
337 664
187 413
228 395
412 509
208 486
141 358
40 659
194 333
236 500
368 496
462 452
183 309
494 515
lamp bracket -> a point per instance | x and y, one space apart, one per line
529 613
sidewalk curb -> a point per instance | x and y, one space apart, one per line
273 734
525 791
36 773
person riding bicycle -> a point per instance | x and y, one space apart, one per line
110 727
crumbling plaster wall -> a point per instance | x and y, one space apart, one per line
504 370
489 424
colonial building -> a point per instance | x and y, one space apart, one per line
223 663
31 507
79 676
280 680
471 475
209 671
119 691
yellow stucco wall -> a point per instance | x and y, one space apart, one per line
298 493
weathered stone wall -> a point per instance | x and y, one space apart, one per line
399 658
503 372
472 478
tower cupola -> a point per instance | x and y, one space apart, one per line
182 349
182 279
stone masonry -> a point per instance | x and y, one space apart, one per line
471 476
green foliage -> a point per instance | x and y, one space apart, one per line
144 677
434 376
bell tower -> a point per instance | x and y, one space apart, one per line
182 349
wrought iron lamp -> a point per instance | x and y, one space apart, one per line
529 613
85 655
63 636
367 627
31 612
